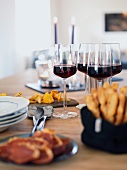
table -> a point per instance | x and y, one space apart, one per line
86 158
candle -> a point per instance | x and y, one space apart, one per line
55 30
44 76
73 29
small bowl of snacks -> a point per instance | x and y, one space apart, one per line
105 119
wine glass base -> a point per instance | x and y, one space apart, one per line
72 114
65 115
56 115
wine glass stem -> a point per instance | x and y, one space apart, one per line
110 80
87 85
99 83
65 97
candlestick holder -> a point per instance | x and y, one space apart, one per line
44 71
48 84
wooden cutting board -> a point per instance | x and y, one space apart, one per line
58 104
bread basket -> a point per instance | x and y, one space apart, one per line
101 134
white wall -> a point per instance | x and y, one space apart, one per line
33 29
7 37
24 27
89 16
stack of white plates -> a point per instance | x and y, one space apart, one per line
12 110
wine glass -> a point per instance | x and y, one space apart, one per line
65 61
84 50
99 62
83 57
116 58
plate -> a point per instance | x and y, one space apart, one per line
4 122
9 104
71 149
15 114
14 121
6 126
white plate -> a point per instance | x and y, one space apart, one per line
15 114
2 128
11 119
14 121
9 104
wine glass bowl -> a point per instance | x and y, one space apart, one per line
116 58
65 60
99 61
83 57
82 65
64 70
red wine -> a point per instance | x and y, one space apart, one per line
99 72
64 70
116 69
82 68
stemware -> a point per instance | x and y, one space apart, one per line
65 60
83 57
84 52
99 62
116 58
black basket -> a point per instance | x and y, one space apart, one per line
100 134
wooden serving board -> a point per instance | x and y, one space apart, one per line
57 104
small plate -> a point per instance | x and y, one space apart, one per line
71 149
4 127
13 115
9 104
14 121
4 122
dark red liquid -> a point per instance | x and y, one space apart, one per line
116 69
99 72
82 68
64 70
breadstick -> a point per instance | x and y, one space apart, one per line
115 86
125 114
92 106
112 102
101 96
120 108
